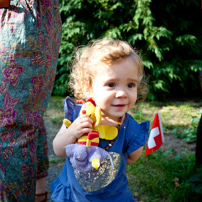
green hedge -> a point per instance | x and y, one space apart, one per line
167 35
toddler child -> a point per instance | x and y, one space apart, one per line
111 73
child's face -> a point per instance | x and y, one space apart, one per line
114 89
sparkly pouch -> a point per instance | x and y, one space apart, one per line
4 3
89 178
93 180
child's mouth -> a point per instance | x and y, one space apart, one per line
119 106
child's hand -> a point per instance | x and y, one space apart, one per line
65 136
81 125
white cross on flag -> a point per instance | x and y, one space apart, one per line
156 137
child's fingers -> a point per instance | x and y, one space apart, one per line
86 124
79 131
86 130
84 118
81 125
83 121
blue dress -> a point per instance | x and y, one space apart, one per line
131 137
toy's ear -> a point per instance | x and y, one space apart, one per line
98 116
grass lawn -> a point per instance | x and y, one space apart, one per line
160 176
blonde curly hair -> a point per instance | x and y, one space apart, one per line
94 57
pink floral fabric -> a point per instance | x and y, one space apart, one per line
30 36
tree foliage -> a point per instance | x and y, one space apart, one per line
166 34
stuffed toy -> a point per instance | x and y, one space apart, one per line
89 139
94 155
86 157
89 108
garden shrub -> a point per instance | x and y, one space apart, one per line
166 35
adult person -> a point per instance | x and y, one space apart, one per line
30 36
199 131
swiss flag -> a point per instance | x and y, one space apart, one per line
156 137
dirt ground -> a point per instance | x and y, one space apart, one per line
177 145
54 170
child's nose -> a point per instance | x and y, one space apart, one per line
121 93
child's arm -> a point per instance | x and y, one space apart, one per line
65 136
134 156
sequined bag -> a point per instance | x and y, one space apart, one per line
89 178
93 180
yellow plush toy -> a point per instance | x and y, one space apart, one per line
99 131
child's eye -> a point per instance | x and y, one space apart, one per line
111 85
131 85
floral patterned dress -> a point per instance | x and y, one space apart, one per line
30 36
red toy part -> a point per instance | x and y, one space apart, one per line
80 101
83 111
91 139
92 101
93 135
